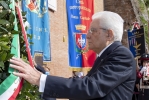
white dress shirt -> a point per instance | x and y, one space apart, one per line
43 76
98 55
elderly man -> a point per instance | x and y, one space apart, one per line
112 76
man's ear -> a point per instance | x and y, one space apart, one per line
110 34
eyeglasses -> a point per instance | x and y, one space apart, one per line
94 30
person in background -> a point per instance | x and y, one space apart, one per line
79 74
136 87
112 76
38 67
142 74
47 69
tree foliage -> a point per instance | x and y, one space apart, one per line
146 3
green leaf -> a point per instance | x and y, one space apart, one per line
24 13
3 13
9 56
3 3
3 56
4 38
2 64
4 22
5 47
30 36
11 18
31 43
10 28
3 43
4 29
15 32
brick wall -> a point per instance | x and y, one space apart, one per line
59 49
125 9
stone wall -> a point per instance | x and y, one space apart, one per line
123 8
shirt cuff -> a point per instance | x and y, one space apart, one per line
42 82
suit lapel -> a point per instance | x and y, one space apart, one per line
99 60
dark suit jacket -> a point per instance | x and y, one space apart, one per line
40 68
111 78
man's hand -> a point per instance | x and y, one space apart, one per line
26 71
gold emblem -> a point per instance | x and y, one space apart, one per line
80 27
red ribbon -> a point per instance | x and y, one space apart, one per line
24 35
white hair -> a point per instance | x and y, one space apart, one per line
110 20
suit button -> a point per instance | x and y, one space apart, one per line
57 95
54 94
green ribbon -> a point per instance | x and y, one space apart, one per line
15 42
7 83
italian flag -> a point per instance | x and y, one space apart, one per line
12 85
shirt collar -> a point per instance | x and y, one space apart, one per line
98 55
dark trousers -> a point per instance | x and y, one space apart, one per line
143 95
135 96
146 94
